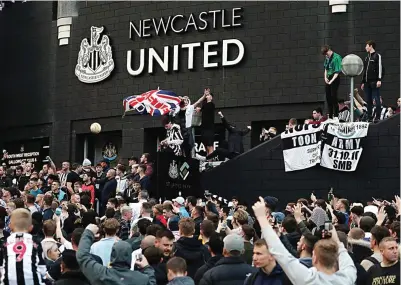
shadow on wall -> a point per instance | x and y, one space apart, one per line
260 172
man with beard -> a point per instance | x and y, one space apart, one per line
145 159
164 241
88 187
305 248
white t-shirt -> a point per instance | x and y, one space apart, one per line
136 209
189 112
135 222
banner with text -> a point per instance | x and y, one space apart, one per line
301 147
342 146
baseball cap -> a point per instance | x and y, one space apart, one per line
371 208
86 162
233 242
179 200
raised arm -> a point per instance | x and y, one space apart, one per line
52 165
200 100
295 271
89 267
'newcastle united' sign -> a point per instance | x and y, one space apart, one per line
95 60
168 57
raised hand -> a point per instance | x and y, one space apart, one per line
313 197
298 212
381 216
259 208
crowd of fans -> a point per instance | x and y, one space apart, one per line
52 233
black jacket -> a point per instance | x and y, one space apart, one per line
372 68
276 277
109 191
194 253
204 268
6 182
235 143
227 271
72 277
160 273
294 238
198 221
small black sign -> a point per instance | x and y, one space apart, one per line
18 152
176 176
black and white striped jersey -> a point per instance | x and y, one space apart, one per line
21 261
344 115
174 139
383 113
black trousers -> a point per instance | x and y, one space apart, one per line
332 96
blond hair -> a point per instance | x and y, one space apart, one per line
241 217
326 251
21 220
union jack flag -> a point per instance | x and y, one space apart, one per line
154 102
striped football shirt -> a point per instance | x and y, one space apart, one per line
21 261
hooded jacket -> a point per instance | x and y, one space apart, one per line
182 280
294 238
119 273
227 271
360 249
194 253
204 268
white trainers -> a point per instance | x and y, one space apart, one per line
200 158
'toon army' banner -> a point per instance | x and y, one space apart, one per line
332 145
342 146
301 147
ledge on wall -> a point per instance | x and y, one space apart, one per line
260 171
338 6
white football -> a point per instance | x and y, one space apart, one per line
96 128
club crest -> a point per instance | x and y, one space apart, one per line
173 170
109 151
95 60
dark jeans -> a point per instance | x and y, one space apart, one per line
222 153
372 92
189 142
331 96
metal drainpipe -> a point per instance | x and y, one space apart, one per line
65 11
